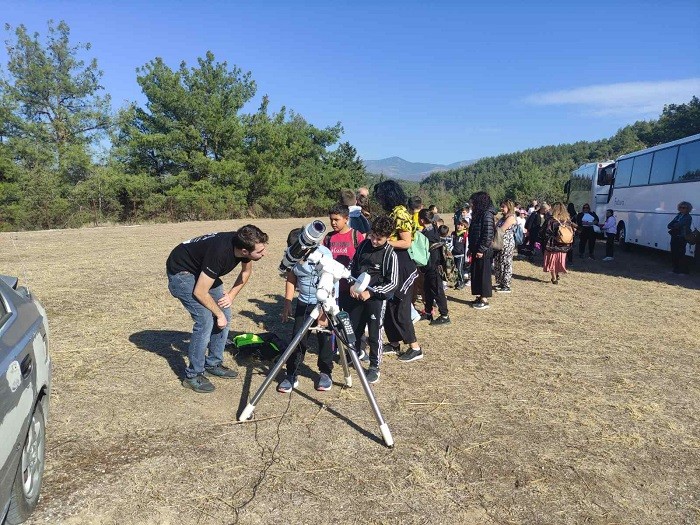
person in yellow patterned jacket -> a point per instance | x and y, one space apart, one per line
397 321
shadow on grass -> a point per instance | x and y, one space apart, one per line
343 418
169 344
254 366
637 263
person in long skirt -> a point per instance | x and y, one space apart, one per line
398 324
481 232
554 250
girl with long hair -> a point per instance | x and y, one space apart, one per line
554 249
397 320
481 233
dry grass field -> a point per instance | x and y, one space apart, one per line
568 404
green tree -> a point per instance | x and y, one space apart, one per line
678 121
190 122
56 110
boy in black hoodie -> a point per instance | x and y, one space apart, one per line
434 289
375 256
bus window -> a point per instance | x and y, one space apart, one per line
640 170
605 175
688 165
624 172
662 167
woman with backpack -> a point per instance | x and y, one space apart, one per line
558 236
398 325
503 259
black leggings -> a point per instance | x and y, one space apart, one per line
325 352
587 237
678 258
368 314
434 292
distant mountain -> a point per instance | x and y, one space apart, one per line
398 168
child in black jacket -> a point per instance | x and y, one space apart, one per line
376 257
433 289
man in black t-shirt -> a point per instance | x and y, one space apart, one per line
194 272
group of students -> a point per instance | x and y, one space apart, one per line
383 253
485 240
384 308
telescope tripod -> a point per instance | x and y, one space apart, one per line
340 324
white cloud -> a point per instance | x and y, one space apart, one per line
629 98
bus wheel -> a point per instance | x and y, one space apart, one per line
621 237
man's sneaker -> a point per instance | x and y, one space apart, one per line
288 384
364 357
608 259
503 289
481 305
220 371
443 319
325 383
412 354
372 374
459 286
389 349
199 384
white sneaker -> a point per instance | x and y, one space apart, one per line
608 259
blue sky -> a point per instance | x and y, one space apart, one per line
426 81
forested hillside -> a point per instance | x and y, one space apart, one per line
541 172
193 152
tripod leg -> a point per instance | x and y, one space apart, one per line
344 363
383 427
250 407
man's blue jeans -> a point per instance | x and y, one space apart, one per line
204 331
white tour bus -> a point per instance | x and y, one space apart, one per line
644 189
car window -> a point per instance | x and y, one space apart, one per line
4 312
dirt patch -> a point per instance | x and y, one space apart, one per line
568 404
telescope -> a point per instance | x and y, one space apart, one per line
330 273
309 239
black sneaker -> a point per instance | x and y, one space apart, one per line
481 305
199 384
503 289
220 371
372 374
389 349
411 354
443 319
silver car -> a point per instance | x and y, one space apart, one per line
25 385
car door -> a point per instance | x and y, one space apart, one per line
19 324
